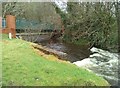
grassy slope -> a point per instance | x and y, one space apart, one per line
23 66
0 62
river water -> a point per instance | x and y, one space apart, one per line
105 66
74 52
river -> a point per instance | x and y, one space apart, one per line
105 66
74 52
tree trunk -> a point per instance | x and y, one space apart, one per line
117 7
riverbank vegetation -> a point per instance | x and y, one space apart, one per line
22 65
92 23
96 23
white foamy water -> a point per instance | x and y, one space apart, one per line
103 63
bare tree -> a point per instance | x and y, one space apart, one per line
117 8
12 8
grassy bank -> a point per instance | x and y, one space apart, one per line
23 66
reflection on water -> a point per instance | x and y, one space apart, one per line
105 66
74 52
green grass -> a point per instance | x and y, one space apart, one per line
22 66
0 61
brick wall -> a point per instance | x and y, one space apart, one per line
0 24
10 26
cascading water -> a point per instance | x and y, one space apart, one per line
103 63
